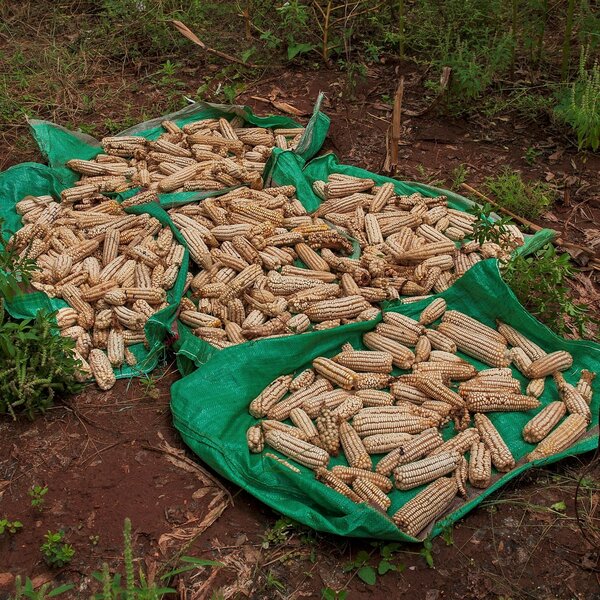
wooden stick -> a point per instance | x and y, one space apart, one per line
557 241
391 161
190 35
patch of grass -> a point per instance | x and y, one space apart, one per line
539 282
528 199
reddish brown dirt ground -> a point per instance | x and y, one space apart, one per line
103 459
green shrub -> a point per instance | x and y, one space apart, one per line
37 364
539 282
528 199
56 554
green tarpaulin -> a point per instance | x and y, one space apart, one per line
210 409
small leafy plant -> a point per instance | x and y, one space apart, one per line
331 594
539 282
486 229
9 526
37 493
368 573
529 199
43 592
56 553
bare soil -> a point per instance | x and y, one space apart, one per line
107 456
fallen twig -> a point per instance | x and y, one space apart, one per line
190 35
391 159
557 241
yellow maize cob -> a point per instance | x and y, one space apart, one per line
480 466
101 369
302 452
426 506
544 422
502 458
353 448
424 471
549 364
332 481
561 438
515 338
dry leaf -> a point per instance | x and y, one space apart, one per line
550 216
592 238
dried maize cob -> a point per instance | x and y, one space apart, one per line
426 506
332 481
502 458
402 357
484 349
302 452
377 362
411 475
480 466
482 402
371 493
544 422
515 338
561 438
353 448
549 364
584 385
383 443
281 410
101 369
273 393
371 397
328 428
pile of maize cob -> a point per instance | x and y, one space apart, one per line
212 154
246 244
113 268
388 427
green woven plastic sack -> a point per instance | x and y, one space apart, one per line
210 409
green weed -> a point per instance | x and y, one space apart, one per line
528 199
37 493
56 553
9 526
331 594
115 587
459 176
580 109
531 155
539 282
43 592
486 229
